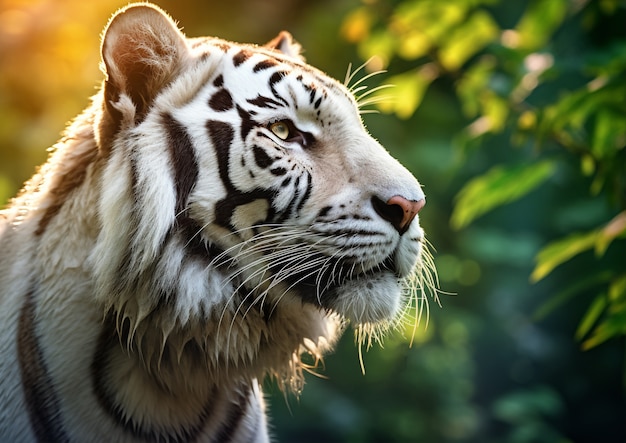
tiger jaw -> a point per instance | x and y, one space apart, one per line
364 293
370 300
372 297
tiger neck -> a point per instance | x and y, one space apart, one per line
173 402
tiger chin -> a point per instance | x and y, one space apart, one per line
216 212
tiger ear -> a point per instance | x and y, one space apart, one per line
285 43
142 51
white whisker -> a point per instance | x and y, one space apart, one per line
359 98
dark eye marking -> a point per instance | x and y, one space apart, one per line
287 131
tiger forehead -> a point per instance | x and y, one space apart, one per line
261 59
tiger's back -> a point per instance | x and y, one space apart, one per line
217 211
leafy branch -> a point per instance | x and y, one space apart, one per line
570 107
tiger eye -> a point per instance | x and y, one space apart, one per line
280 130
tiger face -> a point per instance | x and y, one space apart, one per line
302 203
313 205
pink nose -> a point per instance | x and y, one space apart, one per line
398 211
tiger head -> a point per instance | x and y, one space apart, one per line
254 198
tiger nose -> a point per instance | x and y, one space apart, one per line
398 211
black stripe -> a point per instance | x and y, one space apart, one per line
229 428
183 159
289 209
108 341
312 94
70 176
195 244
350 232
242 56
264 64
221 101
264 102
222 135
307 193
324 211
276 78
247 122
225 208
298 196
278 171
261 158
41 399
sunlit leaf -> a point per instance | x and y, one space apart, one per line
414 44
496 188
539 22
527 121
408 92
380 45
433 18
592 315
609 132
612 327
615 228
617 290
356 26
607 314
560 251
467 40
475 80
592 115
496 110
587 165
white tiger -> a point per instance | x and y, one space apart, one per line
217 211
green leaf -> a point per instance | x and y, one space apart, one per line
615 228
380 44
539 21
434 18
617 290
467 39
408 92
496 188
592 315
561 251
613 326
576 288
474 80
609 133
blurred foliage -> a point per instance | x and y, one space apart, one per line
510 80
512 115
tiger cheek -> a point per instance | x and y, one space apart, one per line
250 214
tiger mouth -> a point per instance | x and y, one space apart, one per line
321 288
